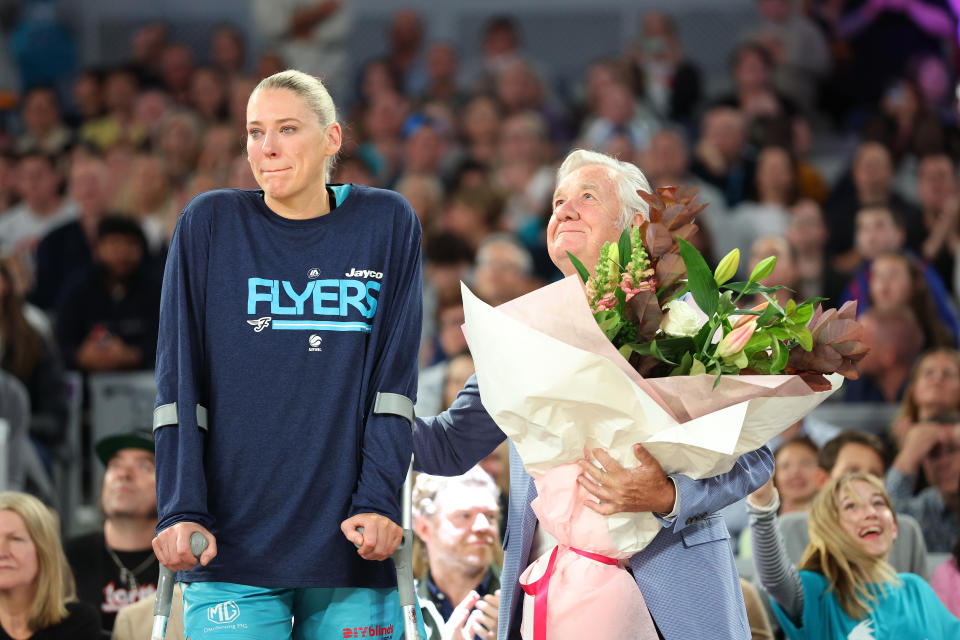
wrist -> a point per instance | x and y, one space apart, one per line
772 504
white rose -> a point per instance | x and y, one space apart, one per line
680 319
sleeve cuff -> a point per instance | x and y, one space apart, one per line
672 516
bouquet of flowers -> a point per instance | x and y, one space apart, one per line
637 305
638 360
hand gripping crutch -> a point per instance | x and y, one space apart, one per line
398 405
161 608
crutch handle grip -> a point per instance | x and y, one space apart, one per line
161 608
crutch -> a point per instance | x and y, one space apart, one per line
398 405
161 608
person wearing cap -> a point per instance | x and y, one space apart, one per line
116 566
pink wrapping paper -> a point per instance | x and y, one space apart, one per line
579 584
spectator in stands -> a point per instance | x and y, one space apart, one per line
8 182
939 193
30 357
521 86
946 580
796 474
666 163
670 82
426 143
442 82
523 173
797 49
480 128
149 200
617 115
500 45
34 601
807 235
784 272
833 595
147 44
853 451
115 567
228 51
120 90
87 94
425 195
68 248
503 269
41 208
309 35
382 146
933 388
176 68
135 622
895 340
404 52
459 369
768 212
473 213
178 145
881 230
457 521
108 317
447 262
45 130
448 342
721 156
858 452
208 95
754 94
897 282
933 448
870 184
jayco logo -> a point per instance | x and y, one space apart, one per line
364 273
223 613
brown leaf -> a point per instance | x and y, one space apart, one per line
649 315
670 269
658 240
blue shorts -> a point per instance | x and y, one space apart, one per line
227 611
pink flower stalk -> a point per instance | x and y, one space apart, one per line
631 288
743 319
734 342
607 302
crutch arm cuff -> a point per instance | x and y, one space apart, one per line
394 404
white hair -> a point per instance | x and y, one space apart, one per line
628 178
428 488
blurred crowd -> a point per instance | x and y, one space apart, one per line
833 144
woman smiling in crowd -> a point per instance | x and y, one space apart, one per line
845 587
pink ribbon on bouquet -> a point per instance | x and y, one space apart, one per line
540 589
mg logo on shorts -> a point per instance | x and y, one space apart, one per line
223 613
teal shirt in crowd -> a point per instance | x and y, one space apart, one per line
911 610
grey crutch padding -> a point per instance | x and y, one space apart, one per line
161 608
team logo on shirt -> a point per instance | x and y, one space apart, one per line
313 273
259 324
314 341
343 304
